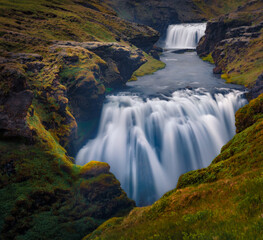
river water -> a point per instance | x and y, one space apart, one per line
165 124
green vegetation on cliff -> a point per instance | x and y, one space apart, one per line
56 62
235 42
50 80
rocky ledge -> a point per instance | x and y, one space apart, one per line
43 97
235 43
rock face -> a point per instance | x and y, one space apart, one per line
235 42
15 99
117 57
257 89
220 32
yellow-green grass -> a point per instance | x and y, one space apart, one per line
152 65
208 58
46 21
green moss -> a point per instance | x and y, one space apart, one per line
208 58
152 65
249 114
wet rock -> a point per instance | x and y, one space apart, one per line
217 70
257 88
15 100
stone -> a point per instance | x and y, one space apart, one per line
93 169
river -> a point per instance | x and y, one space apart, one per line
165 124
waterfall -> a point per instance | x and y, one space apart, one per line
150 143
184 36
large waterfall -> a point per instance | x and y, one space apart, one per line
184 36
149 143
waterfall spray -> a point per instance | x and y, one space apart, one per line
150 143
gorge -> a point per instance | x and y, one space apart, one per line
131 119
165 124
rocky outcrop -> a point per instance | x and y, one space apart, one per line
257 88
15 100
117 57
221 32
234 41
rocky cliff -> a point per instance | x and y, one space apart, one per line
235 42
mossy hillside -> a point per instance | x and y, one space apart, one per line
250 114
65 20
222 201
32 26
42 192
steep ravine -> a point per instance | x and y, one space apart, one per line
52 54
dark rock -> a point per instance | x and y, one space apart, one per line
13 117
34 66
154 54
26 57
218 30
217 70
257 89
14 78
117 57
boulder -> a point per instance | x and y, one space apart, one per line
93 169
15 100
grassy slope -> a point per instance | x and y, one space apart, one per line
223 201
43 21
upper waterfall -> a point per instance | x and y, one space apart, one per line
184 36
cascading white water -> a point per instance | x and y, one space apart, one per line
184 36
149 144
